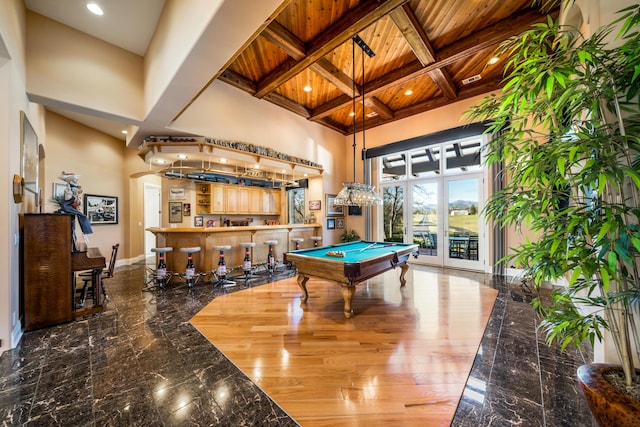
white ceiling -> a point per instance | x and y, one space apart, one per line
128 24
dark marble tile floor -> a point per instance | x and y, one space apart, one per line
142 363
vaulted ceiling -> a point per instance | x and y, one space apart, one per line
427 53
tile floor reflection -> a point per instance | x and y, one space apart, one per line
142 363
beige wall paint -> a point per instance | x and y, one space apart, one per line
73 68
226 113
12 101
98 159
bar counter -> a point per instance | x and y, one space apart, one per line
206 238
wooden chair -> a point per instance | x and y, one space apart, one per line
106 274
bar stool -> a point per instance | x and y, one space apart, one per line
190 276
159 277
316 240
246 262
220 272
297 241
271 259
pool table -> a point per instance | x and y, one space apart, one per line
349 264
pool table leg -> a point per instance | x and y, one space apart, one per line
302 282
404 267
347 295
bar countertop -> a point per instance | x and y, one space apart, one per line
230 228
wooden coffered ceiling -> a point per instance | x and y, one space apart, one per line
429 47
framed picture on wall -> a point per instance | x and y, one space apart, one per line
186 209
30 154
101 209
177 193
339 223
175 211
314 205
198 221
331 223
333 210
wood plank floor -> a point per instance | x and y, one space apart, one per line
402 359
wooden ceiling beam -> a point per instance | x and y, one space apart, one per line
237 80
414 34
277 34
324 68
443 80
421 107
295 48
379 107
408 24
466 47
287 104
363 15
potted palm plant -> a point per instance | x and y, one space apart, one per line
566 138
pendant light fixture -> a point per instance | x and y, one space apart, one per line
355 193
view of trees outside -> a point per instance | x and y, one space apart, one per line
296 206
462 210
393 213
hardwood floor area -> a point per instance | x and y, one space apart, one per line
403 359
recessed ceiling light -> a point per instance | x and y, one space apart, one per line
307 88
256 166
161 162
223 160
351 114
493 60
182 156
95 9
408 92
124 131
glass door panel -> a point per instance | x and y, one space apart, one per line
425 226
393 225
462 223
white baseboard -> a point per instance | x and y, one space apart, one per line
16 335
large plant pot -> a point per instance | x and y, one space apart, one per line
609 406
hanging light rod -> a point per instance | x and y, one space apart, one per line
364 46
355 193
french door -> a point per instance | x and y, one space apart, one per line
441 212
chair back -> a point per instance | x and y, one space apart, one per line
112 261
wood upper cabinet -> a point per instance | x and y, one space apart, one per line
271 202
231 200
241 200
217 199
255 200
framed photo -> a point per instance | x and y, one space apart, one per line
314 205
101 209
30 154
339 222
355 210
177 193
198 221
331 223
333 210
58 189
175 211
186 209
